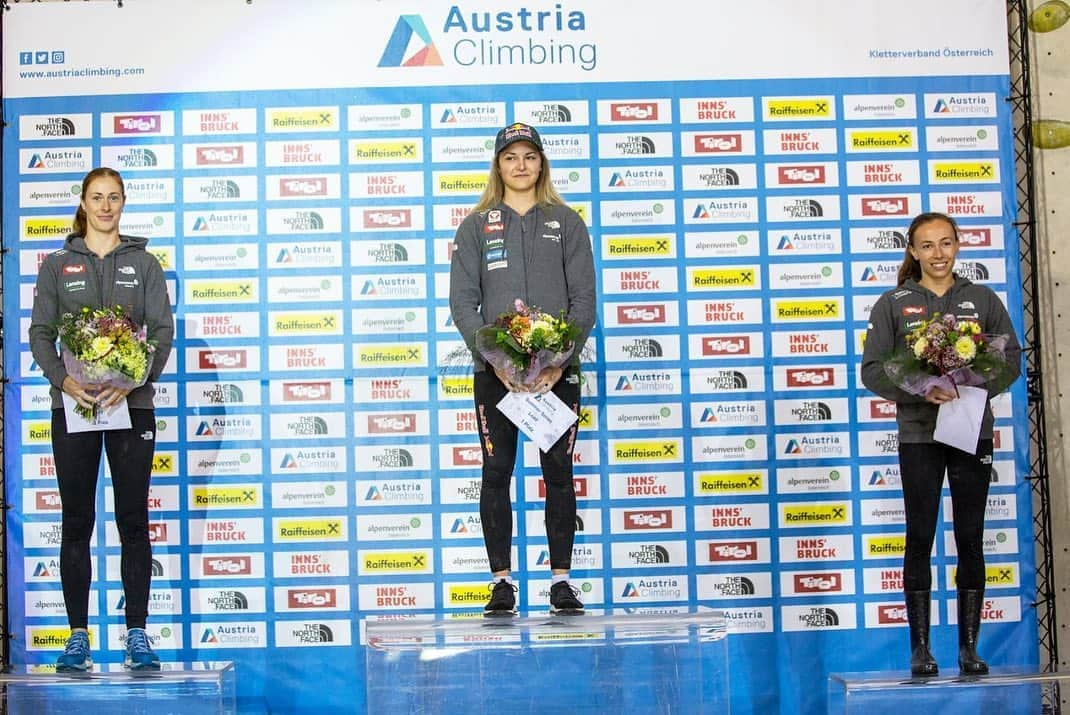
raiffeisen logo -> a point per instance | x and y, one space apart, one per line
479 38
404 48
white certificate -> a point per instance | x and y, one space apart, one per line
115 417
543 418
958 422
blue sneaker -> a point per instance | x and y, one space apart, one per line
76 657
139 655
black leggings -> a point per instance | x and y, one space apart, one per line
921 467
498 438
77 458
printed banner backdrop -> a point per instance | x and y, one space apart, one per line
747 171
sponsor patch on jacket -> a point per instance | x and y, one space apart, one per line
73 269
555 237
553 224
497 258
74 286
132 283
127 270
492 227
909 310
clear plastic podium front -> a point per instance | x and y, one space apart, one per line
1007 691
201 688
664 662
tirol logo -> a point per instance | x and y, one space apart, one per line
727 345
882 409
306 392
410 45
48 501
136 124
811 377
634 111
387 218
818 582
579 483
730 551
311 598
718 143
227 565
640 314
975 237
303 186
647 519
391 424
888 614
220 155
158 532
885 206
467 457
222 359
801 174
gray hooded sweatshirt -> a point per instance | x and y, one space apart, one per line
74 277
897 313
544 258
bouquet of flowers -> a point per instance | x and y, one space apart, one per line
526 341
946 352
106 348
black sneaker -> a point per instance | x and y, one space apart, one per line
563 599
502 600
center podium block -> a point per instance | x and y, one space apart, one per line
597 662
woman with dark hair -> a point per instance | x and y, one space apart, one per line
522 242
99 268
928 286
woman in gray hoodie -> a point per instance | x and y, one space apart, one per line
97 268
927 286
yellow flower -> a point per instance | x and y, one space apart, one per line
965 348
970 327
100 346
920 347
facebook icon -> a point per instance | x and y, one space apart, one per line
25 58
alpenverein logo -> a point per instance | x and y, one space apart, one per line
404 48
880 546
309 530
236 497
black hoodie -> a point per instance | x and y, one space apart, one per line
74 277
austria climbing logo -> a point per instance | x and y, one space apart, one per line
410 45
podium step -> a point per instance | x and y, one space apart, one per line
1003 690
597 662
200 688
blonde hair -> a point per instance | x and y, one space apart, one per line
79 225
545 193
910 268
